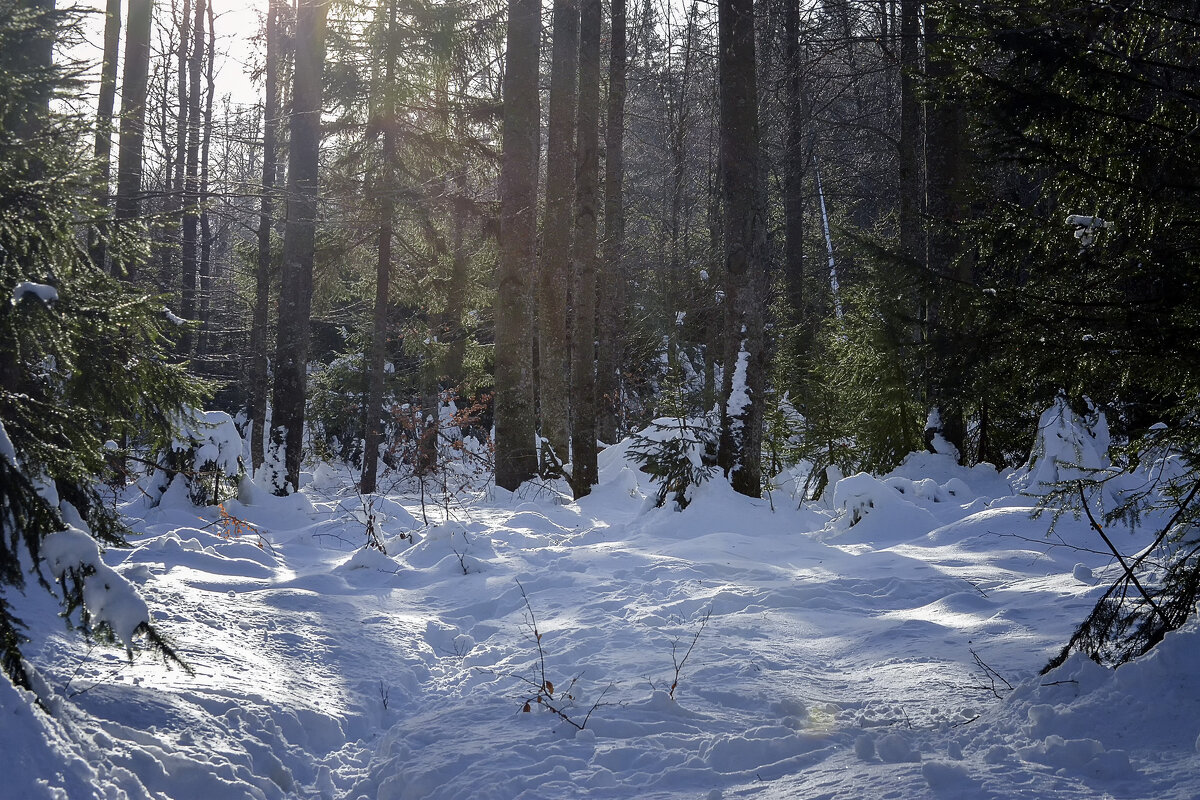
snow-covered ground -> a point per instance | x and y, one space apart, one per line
882 644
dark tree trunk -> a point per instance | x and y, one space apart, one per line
516 454
744 385
191 183
133 121
583 366
383 266
104 124
456 346
910 134
173 211
206 235
794 166
944 179
554 369
266 218
299 245
612 287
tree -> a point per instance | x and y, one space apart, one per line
554 365
516 455
258 381
583 366
794 163
106 101
299 247
191 181
944 190
612 286
743 197
133 122
386 189
83 358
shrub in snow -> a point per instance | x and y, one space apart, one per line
677 454
1068 447
1159 588
206 453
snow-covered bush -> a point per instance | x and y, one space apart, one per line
1067 447
678 453
206 455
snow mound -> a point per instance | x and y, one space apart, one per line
1067 447
110 599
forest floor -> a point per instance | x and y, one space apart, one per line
739 648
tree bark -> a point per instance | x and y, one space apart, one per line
516 454
133 122
909 220
794 167
104 125
266 218
587 168
191 183
299 246
205 264
944 179
612 287
383 267
554 368
744 384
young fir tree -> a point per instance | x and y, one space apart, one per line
1087 166
83 358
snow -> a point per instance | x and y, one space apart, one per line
109 598
839 659
7 451
47 294
173 318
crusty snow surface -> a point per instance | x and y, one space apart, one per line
838 660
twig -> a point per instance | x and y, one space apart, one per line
1125 566
679 662
544 694
991 675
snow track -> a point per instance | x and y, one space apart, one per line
839 661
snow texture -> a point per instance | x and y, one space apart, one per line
109 597
833 657
47 294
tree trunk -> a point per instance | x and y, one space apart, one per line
383 266
744 383
133 122
191 183
944 179
583 366
299 245
910 134
612 287
516 454
173 206
206 236
794 165
104 124
266 218
455 332
554 369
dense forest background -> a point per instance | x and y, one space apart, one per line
829 232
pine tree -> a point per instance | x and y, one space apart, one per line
83 359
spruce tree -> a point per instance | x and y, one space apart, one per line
84 359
